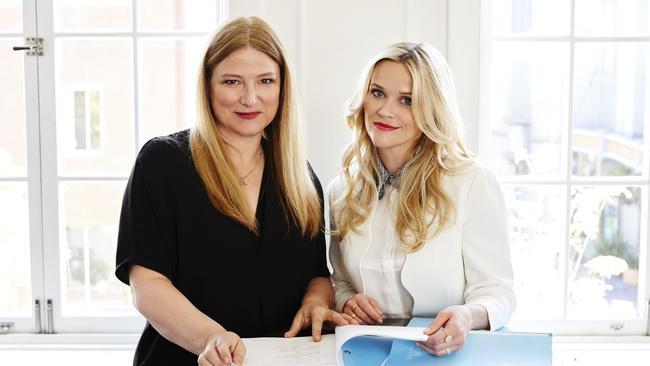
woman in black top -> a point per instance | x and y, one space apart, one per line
221 226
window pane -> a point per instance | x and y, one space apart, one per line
171 15
604 252
15 276
537 228
12 104
610 109
528 107
11 17
168 70
103 66
80 119
92 16
88 229
531 17
94 112
612 17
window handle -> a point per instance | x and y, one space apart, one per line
38 326
50 317
33 46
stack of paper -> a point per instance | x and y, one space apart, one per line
367 345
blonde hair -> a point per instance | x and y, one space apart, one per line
301 203
423 207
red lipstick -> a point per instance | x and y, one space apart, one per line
384 126
248 115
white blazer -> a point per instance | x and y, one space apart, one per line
468 262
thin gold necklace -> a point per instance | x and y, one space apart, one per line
242 180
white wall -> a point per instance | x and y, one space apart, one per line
330 42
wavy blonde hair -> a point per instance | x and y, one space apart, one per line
423 208
290 171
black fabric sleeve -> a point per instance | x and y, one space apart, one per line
145 234
319 255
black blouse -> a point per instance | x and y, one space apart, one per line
251 285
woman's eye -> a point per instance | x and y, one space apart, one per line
377 93
405 100
267 81
231 82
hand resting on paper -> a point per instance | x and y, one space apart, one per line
448 330
315 313
364 309
222 349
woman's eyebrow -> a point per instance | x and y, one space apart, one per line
375 85
231 75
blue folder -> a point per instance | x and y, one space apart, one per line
505 347
366 351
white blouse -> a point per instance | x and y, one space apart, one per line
468 262
382 266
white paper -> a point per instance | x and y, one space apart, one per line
303 351
299 351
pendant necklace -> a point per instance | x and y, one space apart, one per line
242 180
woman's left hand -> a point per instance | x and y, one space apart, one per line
316 313
448 330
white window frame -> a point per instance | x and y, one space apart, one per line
32 179
473 88
43 178
67 113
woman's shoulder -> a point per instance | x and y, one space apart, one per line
469 171
472 176
336 186
175 144
170 153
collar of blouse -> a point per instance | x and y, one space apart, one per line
385 178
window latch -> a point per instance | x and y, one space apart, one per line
33 46
37 316
616 326
49 310
5 327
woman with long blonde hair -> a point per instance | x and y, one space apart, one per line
221 232
418 227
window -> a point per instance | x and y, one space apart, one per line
16 278
113 75
565 88
85 118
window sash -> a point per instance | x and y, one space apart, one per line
566 179
33 181
43 178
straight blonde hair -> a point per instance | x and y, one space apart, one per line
290 171
423 207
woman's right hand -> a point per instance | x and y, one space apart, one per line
363 308
223 349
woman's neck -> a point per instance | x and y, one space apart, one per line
243 152
394 158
